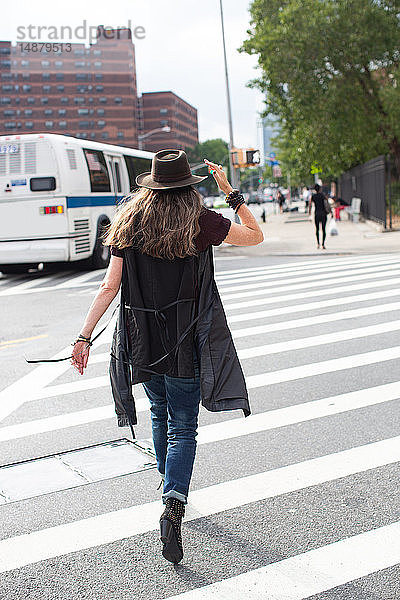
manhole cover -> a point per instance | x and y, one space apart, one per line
73 468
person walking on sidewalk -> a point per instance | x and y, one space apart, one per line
321 211
171 335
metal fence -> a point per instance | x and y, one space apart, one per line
377 183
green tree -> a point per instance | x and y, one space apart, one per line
330 72
215 150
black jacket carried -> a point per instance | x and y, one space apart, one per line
166 308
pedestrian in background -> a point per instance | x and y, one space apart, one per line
281 200
306 197
171 335
321 211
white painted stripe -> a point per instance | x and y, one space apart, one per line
276 289
36 546
252 381
329 291
16 394
84 278
310 573
299 413
289 274
320 277
228 429
30 283
316 320
360 259
308 306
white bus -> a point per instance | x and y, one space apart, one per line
57 193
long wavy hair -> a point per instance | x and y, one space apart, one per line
163 223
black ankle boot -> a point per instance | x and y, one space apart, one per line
170 528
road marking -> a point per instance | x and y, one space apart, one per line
316 320
312 572
36 546
289 274
308 306
361 259
319 277
312 294
80 279
276 289
27 339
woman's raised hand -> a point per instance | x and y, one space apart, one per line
219 175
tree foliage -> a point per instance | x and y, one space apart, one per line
215 150
330 73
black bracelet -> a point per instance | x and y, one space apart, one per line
234 199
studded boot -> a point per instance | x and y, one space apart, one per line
170 529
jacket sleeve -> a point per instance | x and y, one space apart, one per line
120 372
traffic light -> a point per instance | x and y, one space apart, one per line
252 157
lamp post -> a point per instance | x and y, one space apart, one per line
228 100
144 136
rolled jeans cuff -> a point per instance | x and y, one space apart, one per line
174 494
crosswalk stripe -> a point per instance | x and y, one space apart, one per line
264 421
277 289
360 260
36 546
308 306
312 572
319 277
343 269
316 320
329 291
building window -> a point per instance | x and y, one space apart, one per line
5 100
118 100
103 100
44 100
83 111
25 75
45 64
60 88
7 88
62 124
10 125
31 100
5 63
97 64
5 50
163 111
99 88
98 76
79 100
82 134
120 135
163 123
79 52
101 123
83 124
104 135
64 100
80 64
96 52
100 111
28 112
9 113
81 76
6 75
26 87
49 124
98 172
62 111
58 63
48 111
46 88
59 75
29 124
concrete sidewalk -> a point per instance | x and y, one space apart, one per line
293 234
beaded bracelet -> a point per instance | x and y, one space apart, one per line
234 199
82 338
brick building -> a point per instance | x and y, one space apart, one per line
166 109
88 92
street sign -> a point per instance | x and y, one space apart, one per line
276 171
272 155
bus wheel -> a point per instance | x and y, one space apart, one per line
101 254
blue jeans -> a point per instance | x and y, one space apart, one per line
174 406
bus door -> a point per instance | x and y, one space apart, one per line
119 178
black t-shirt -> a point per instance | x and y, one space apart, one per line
319 203
214 228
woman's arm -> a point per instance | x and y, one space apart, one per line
107 291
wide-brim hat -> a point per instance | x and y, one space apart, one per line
169 169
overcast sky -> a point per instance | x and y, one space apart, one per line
181 51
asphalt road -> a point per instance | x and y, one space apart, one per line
300 500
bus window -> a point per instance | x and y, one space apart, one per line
117 177
135 166
42 184
98 172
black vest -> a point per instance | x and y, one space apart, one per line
167 308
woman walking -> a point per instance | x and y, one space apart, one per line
321 212
171 335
